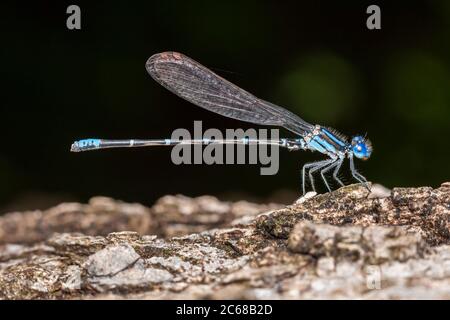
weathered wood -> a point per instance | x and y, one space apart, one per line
340 245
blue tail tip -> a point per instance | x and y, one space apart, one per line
85 144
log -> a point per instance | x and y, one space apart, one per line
346 244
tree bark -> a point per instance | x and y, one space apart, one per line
346 244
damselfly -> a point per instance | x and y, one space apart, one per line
199 85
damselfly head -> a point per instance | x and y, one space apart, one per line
361 147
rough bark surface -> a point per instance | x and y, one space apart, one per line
347 244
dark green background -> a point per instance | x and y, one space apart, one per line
316 58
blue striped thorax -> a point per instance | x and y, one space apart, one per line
327 141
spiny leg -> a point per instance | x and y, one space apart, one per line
357 176
335 172
319 165
308 165
325 170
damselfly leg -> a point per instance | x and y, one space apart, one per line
336 171
358 176
314 166
335 163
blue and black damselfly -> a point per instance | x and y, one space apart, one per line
199 85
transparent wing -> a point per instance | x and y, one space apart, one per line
199 85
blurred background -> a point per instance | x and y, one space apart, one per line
315 58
